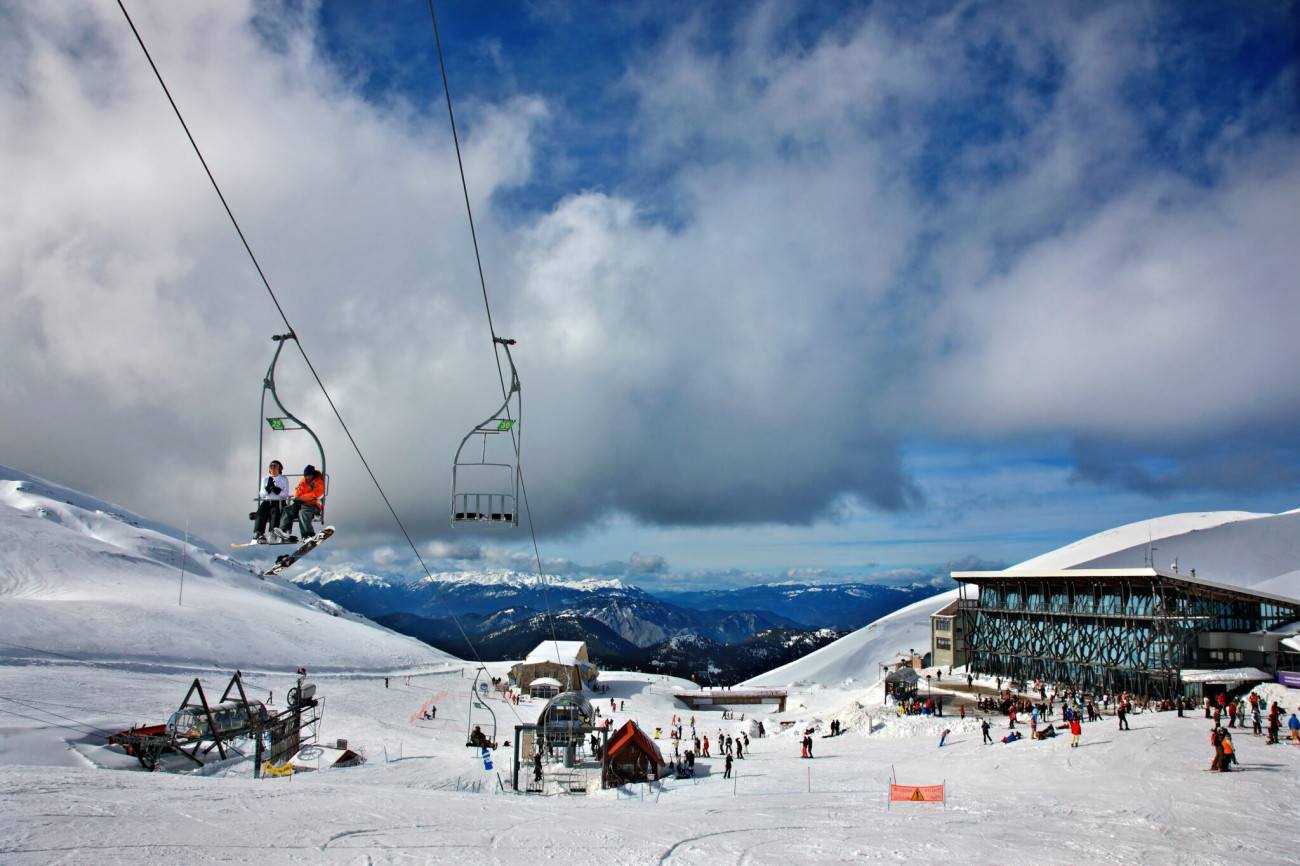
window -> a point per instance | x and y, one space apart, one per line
943 643
943 625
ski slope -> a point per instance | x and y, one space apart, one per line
95 638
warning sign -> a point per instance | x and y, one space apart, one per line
916 793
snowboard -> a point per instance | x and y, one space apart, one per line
285 560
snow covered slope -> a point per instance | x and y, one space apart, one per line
91 581
85 578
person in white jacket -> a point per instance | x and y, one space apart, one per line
270 499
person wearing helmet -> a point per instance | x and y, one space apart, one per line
305 507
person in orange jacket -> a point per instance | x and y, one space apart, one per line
305 506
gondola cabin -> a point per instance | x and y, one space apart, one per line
231 718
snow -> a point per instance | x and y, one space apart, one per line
94 638
563 652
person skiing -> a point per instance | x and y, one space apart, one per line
305 507
1216 740
1229 753
270 501
984 727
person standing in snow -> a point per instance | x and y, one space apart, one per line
984 727
1294 724
1121 710
1076 728
726 774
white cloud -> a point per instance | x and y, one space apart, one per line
847 261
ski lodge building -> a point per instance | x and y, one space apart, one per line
1143 630
563 662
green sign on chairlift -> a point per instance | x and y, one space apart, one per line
276 423
505 425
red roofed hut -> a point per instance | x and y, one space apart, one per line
631 756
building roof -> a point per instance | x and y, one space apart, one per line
1230 675
1118 574
903 675
631 737
565 652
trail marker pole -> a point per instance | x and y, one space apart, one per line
180 599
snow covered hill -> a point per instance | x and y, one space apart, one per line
85 578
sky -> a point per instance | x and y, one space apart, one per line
816 291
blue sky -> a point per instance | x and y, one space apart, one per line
835 290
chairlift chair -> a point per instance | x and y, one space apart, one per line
286 421
485 474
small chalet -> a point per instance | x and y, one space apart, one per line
563 662
632 757
902 683
315 757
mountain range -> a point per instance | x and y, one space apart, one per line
717 635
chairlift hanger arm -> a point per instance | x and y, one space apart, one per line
268 386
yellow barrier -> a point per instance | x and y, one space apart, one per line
268 769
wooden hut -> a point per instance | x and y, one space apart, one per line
632 757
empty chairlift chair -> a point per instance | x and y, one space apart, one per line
485 475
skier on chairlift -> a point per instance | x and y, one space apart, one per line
270 501
305 507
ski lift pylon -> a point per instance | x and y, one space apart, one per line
285 421
485 474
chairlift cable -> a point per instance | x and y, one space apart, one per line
301 349
478 260
92 728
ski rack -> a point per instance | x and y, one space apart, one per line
485 491
277 422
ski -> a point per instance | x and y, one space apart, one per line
285 560
267 543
